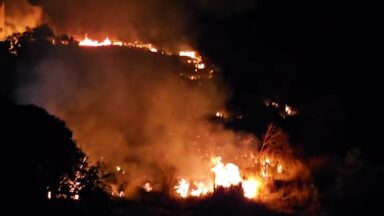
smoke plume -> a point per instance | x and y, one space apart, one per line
20 14
129 108
171 25
149 20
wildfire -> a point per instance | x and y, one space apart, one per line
190 54
147 187
219 115
201 189
94 43
290 111
279 168
250 187
284 110
193 58
255 178
76 197
182 188
226 176
190 57
87 42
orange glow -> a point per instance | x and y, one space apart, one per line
201 66
250 167
182 188
88 42
147 187
201 189
290 111
228 175
219 115
279 168
250 187
117 43
95 43
225 175
190 54
152 49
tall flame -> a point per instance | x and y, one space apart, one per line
226 175
182 188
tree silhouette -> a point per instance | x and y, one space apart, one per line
40 155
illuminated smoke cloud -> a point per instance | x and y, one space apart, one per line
20 14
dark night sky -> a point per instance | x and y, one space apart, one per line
315 54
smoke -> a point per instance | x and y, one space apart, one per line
20 14
131 109
152 21
171 25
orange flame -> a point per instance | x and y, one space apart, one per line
95 43
250 187
225 175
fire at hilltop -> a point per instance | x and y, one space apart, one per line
193 57
190 57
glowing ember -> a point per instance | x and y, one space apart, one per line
219 115
289 110
49 195
201 66
118 168
284 110
76 197
250 187
152 49
147 187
